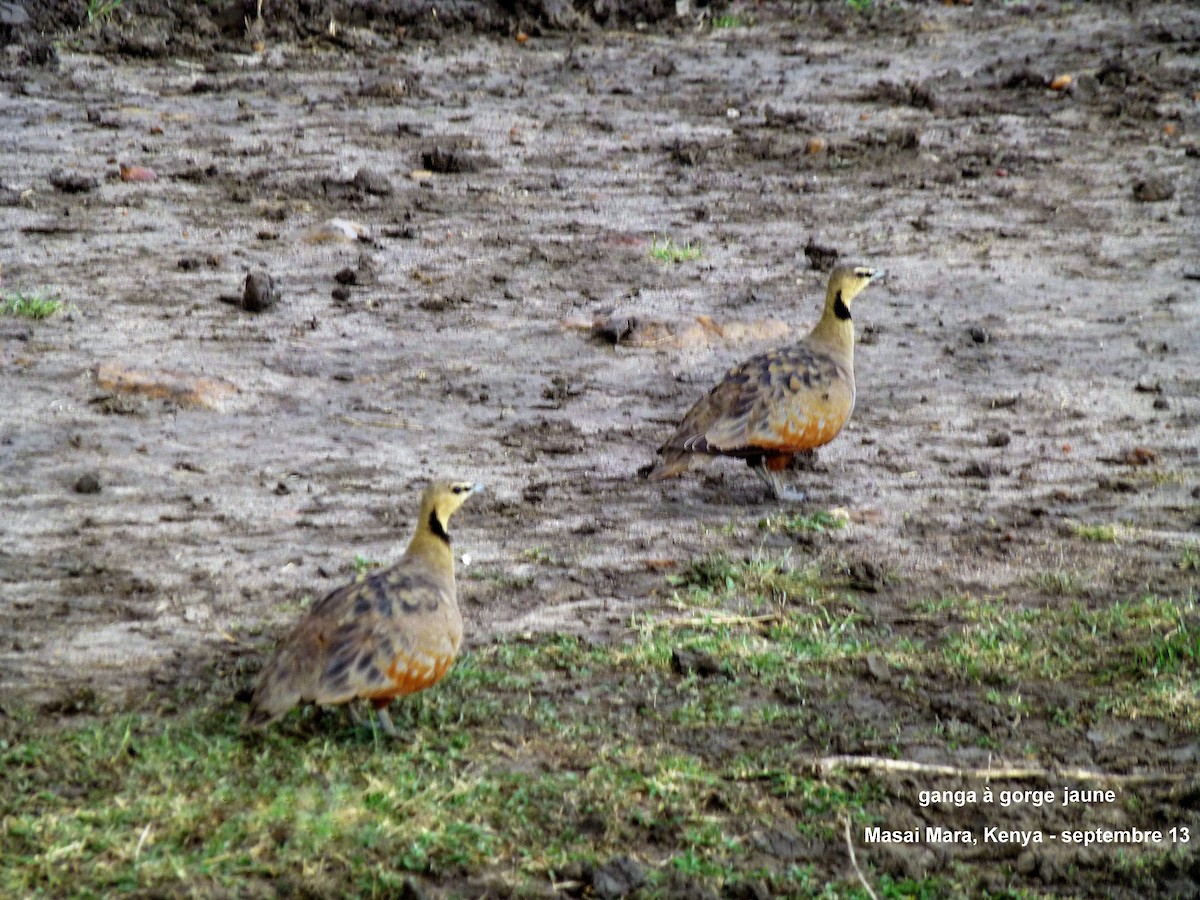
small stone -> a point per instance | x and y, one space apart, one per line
443 161
619 877
1154 189
340 295
664 67
88 483
979 335
999 439
1161 403
694 662
259 293
878 667
371 182
976 469
822 259
346 276
72 182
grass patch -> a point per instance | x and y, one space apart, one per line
665 250
1102 534
29 306
102 10
363 565
727 20
494 773
1140 656
537 759
796 523
1058 583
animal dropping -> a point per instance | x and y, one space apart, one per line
778 404
392 633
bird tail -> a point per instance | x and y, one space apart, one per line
673 463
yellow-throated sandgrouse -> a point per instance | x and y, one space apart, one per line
781 403
390 634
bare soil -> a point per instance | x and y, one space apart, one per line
1031 364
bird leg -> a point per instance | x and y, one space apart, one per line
385 722
773 480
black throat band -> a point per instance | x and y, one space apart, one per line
438 529
840 309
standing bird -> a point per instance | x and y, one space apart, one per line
393 633
781 403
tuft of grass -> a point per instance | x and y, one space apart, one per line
759 581
793 523
861 6
29 306
1058 583
363 564
1189 560
727 20
1103 534
102 10
665 250
1138 656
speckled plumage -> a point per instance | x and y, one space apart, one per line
778 404
392 633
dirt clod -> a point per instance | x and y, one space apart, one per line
619 877
1154 189
87 483
259 293
821 258
686 661
73 182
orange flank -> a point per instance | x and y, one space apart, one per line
413 677
798 434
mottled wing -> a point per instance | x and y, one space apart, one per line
787 400
394 633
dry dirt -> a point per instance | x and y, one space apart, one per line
1030 363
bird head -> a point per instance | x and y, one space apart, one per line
846 283
441 500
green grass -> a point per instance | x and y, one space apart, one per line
727 20
1138 657
493 773
102 10
1103 534
861 6
363 565
665 250
536 757
794 523
1058 583
29 306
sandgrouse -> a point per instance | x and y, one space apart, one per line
781 403
393 633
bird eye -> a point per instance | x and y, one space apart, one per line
458 489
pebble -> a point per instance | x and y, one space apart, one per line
259 293
88 483
1154 189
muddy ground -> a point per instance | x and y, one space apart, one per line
1032 363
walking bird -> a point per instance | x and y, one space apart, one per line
778 404
390 634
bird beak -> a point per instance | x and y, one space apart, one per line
879 274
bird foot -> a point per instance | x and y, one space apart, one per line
775 483
790 495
